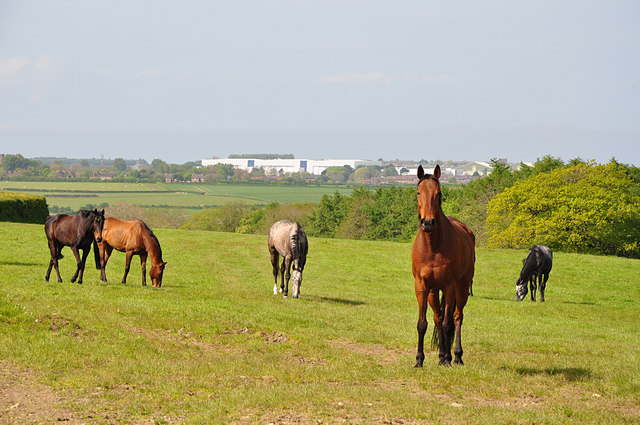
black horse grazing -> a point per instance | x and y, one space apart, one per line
76 231
289 240
536 265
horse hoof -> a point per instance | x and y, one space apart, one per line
418 365
284 296
458 362
444 363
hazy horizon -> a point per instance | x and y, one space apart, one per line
321 79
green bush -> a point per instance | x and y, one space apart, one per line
259 220
585 208
23 208
224 219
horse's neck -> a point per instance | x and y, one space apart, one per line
153 249
83 227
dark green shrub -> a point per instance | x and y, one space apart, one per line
23 208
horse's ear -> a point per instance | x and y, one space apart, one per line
102 212
420 172
436 172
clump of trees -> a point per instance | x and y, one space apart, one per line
577 207
580 208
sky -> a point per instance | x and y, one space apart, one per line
367 79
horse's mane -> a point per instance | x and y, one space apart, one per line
297 243
155 239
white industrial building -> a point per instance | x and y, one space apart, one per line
311 166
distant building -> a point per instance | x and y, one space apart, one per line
311 166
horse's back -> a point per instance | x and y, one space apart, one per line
279 237
545 258
467 240
60 227
123 235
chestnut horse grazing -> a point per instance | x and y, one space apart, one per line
76 231
443 256
133 238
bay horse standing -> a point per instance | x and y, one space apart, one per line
290 241
76 231
133 238
443 256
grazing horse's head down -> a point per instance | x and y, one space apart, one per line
429 198
288 240
156 273
535 266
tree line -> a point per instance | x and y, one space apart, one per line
577 206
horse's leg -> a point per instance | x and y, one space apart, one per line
76 253
421 295
286 268
543 286
447 324
533 286
52 249
58 250
143 264
434 302
104 257
274 264
85 254
127 264
458 315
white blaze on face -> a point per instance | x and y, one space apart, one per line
296 282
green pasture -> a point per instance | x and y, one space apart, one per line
214 345
76 195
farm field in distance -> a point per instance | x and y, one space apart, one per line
214 345
76 195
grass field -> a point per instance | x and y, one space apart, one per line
75 195
213 345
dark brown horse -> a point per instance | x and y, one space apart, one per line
133 238
75 231
443 256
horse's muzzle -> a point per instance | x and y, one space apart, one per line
98 239
427 225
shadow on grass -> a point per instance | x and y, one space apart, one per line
336 300
21 263
570 373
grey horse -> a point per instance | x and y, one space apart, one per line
288 240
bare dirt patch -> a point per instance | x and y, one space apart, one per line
23 400
60 325
187 338
268 337
379 352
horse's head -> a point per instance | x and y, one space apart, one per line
429 198
97 223
296 276
156 274
521 288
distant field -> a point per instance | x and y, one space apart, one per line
75 195
214 346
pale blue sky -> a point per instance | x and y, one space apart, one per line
186 80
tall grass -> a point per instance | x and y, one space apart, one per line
213 345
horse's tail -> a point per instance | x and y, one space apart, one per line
434 337
96 254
